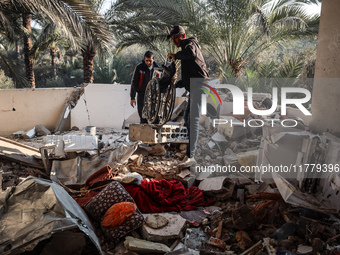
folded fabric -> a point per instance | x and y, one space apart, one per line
164 196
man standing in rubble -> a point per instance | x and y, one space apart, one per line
141 77
192 66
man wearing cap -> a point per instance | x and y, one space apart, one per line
141 77
192 66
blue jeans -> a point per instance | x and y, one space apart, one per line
191 119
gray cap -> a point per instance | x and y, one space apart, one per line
175 30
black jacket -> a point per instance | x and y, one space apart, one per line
141 76
192 62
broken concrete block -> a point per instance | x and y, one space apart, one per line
217 243
188 181
184 173
29 134
19 134
233 131
172 230
41 130
156 221
148 134
157 150
219 138
219 187
144 247
212 184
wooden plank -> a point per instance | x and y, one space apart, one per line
19 153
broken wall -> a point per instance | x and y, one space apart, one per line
103 105
22 109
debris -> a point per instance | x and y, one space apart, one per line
156 221
232 131
77 170
29 134
71 143
184 173
303 249
50 209
144 247
284 231
69 105
243 240
217 242
195 217
254 247
173 230
219 231
220 188
132 178
20 153
167 133
179 108
248 158
242 218
270 249
156 150
41 130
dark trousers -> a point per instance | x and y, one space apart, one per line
140 104
191 119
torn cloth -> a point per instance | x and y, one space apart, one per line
163 196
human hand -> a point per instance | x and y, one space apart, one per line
171 55
133 102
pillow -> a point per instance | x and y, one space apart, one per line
114 193
118 213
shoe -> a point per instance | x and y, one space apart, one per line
187 162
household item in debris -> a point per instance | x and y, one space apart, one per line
284 253
284 231
117 214
89 130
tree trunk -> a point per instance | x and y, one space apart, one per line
53 53
88 56
17 50
27 50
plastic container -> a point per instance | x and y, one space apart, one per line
284 231
89 130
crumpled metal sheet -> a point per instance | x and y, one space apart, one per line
34 210
77 170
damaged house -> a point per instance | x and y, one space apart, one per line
79 175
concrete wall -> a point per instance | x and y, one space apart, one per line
23 109
107 105
326 88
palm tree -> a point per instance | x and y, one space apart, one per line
74 18
92 46
234 32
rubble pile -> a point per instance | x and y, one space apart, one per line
76 183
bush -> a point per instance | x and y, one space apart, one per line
5 81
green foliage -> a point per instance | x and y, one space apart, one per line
55 82
5 81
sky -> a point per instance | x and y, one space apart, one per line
312 9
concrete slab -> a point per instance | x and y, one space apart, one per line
172 230
144 247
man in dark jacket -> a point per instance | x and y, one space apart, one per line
141 77
193 66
